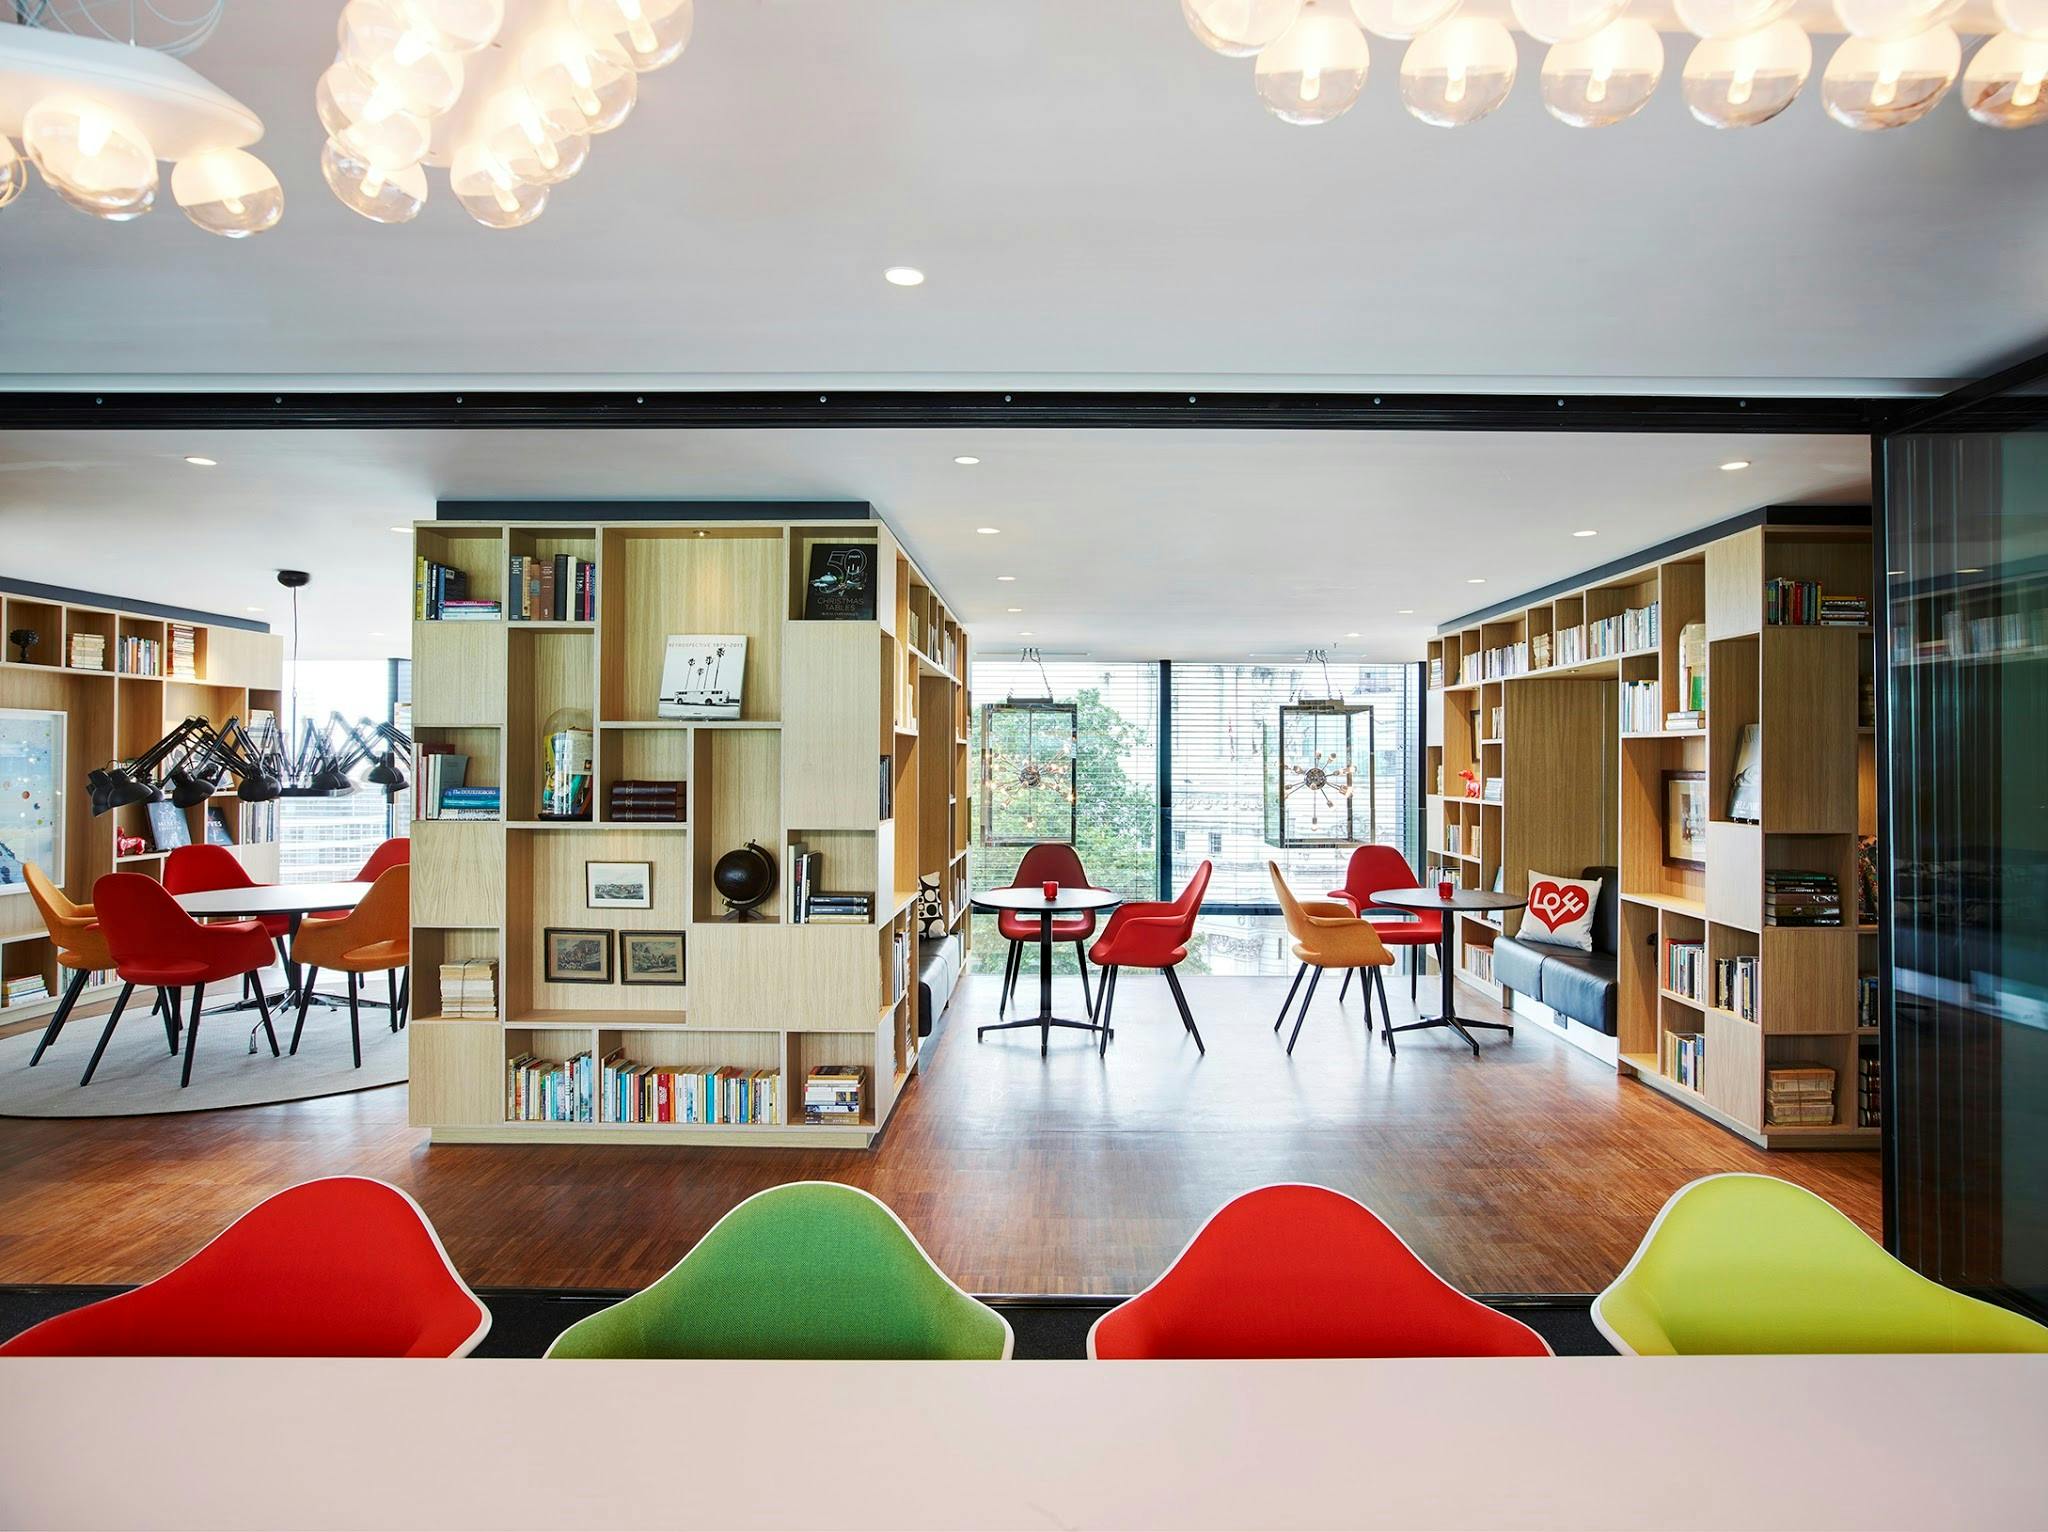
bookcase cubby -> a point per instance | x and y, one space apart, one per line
850 741
1571 777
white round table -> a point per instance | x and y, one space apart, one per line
1031 900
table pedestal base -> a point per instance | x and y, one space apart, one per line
1450 1017
1045 1021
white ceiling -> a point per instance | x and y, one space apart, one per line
1133 544
1096 200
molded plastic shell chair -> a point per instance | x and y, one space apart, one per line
1742 1264
812 1271
1303 1271
343 1266
1329 935
1373 870
1046 862
202 869
1150 936
395 852
81 946
374 935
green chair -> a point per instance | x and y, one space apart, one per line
1746 1264
808 1271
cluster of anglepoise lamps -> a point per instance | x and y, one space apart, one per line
1751 59
195 761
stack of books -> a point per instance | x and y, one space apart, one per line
1689 722
1735 980
802 879
1795 898
1570 645
1539 651
469 990
1869 1088
632 801
1866 1000
467 803
138 656
1685 965
649 1093
822 907
1603 637
832 1093
1639 628
562 588
24 988
548 1090
441 594
1685 1058
1799 1095
88 651
1436 673
1845 611
1692 669
1802 604
1641 705
184 652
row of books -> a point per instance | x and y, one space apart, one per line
1685 965
469 990
1954 636
88 651
437 771
440 593
549 1090
1490 790
23 988
467 803
633 800
899 966
935 639
833 1093
1866 1000
1470 669
1436 673
1869 1088
1569 646
184 651
1633 629
1507 660
1692 669
1796 898
1802 603
1735 982
138 656
1479 962
662 1093
558 589
809 903
1799 1095
1685 1058
1642 707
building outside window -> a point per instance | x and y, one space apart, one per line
327 840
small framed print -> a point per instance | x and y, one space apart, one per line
1685 819
577 957
618 885
651 957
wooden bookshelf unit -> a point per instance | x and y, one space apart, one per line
114 714
1533 701
851 740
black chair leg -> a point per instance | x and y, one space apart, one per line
1345 988
106 1036
1379 981
1187 1017
355 1022
263 1008
1414 975
191 1032
284 961
391 989
1288 1003
71 993
404 998
1081 954
1103 1010
163 1008
1314 979
306 977
1009 978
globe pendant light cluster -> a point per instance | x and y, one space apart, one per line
504 94
1750 60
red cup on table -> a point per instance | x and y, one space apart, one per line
1050 888
1444 889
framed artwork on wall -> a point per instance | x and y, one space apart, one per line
618 885
31 794
703 676
1685 819
651 957
573 956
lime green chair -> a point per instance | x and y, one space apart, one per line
808 1271
1745 1264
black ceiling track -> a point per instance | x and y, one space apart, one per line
964 409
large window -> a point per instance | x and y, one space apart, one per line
327 840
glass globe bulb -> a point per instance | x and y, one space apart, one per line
1399 20
650 33
538 146
380 194
1238 28
2029 18
1565 21
1209 39
2006 85
1457 72
457 26
1882 20
13 171
1872 85
1315 71
1728 18
228 192
566 68
1738 82
1606 78
381 41
92 159
490 193
369 117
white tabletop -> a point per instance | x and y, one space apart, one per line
1029 899
1757 1443
274 899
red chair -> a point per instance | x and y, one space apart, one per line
1302 1271
1371 871
343 1266
395 852
1046 862
202 869
1150 936
154 942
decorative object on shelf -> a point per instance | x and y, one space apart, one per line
565 765
1561 910
841 587
23 639
631 801
1866 880
619 885
128 845
168 828
1030 747
702 676
744 878
574 956
931 906
1685 819
1316 776
31 794
217 827
96 111
1471 781
651 957
1746 789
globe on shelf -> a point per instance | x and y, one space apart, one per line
744 878
1875 85
1314 72
1738 82
1456 73
1606 78
228 192
1238 28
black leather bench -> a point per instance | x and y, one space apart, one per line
1578 985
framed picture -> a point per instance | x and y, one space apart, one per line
841 586
651 957
168 826
1685 819
618 885
1746 792
31 795
702 675
577 957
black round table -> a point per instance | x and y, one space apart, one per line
1032 901
1461 899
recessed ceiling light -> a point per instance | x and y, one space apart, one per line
1005 578
1477 580
401 531
1735 464
1406 611
1025 634
1969 571
203 462
966 460
376 635
252 608
903 276
1588 532
1351 635
988 531
1013 608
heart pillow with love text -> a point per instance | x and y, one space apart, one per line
1560 911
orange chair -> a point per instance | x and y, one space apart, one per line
1328 935
81 949
371 936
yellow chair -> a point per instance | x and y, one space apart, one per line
1329 935
374 935
81 948
1751 1265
